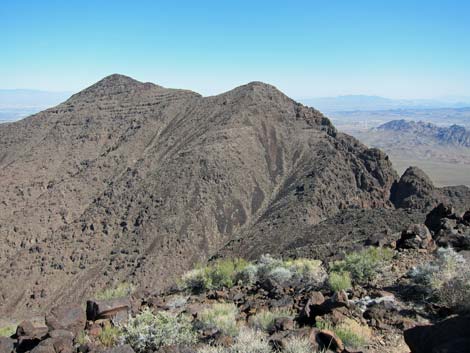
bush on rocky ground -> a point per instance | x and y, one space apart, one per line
352 333
248 341
148 332
221 316
109 336
298 345
265 319
364 265
339 281
120 291
446 280
221 273
229 272
7 331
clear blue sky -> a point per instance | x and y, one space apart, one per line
395 48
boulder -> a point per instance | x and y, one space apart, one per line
279 339
416 236
6 344
59 344
330 341
69 317
283 324
450 335
433 218
28 329
107 309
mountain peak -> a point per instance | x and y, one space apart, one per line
115 84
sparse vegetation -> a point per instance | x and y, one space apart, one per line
352 333
446 279
264 319
221 273
221 316
82 338
109 336
249 341
228 272
339 281
148 332
7 331
120 291
364 265
298 345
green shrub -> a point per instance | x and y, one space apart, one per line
249 341
363 265
339 281
148 332
446 280
82 338
221 273
264 319
7 331
120 291
109 336
228 272
221 316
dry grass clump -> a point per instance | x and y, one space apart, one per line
221 316
264 319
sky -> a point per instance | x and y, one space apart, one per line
392 48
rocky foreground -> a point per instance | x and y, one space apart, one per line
405 292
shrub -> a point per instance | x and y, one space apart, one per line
222 273
120 291
291 272
7 331
349 331
363 265
221 316
249 341
298 345
195 280
82 338
148 332
446 280
109 336
248 276
264 319
339 281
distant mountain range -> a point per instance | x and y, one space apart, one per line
373 103
19 103
453 135
443 152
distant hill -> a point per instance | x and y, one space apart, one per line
19 103
427 133
443 152
374 103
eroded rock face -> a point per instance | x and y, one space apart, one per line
130 181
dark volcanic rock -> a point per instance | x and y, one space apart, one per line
130 181
69 317
451 335
413 190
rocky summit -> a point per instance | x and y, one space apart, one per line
133 182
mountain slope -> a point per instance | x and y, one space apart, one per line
130 181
